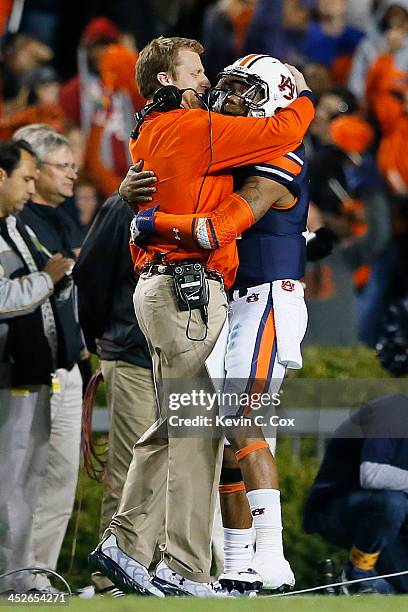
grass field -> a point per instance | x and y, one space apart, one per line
288 604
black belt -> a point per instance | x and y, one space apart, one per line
168 269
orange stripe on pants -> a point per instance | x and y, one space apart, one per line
263 358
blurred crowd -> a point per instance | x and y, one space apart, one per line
67 90
355 58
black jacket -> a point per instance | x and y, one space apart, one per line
106 282
55 232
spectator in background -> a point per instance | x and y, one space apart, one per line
330 40
359 499
52 232
42 19
387 96
81 95
359 13
300 31
78 95
319 78
21 54
43 103
86 202
27 359
335 102
43 86
117 76
224 32
350 286
278 28
391 16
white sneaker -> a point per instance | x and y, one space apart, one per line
263 574
172 583
126 573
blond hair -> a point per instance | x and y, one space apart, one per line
161 55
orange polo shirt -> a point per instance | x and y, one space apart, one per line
176 145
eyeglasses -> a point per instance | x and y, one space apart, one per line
63 167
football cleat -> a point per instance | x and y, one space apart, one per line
241 581
264 574
126 573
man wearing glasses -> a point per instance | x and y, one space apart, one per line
52 231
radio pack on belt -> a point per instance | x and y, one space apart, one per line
191 286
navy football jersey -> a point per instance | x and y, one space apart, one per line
275 247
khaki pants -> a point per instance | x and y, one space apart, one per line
24 437
132 406
175 476
57 488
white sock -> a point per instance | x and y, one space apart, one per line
238 549
266 512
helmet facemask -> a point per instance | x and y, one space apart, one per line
254 96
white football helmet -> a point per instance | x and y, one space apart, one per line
269 85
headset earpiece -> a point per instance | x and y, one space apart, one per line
167 98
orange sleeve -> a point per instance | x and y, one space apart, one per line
384 78
105 179
239 141
211 230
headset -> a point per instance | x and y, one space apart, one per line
165 99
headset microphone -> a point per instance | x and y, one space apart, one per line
165 99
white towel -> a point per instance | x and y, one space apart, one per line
290 315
